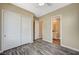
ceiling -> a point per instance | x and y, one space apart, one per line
41 10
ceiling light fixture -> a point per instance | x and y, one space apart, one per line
41 4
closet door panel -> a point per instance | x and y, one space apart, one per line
11 28
26 29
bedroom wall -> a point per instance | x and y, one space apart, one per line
70 26
15 8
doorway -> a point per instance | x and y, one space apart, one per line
56 31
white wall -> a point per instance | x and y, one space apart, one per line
70 26
36 29
46 29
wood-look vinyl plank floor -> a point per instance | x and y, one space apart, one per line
40 47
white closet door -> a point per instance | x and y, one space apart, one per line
11 29
26 29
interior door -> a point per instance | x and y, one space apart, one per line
11 29
36 29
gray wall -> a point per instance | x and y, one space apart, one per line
70 25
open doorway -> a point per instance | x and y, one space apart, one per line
56 30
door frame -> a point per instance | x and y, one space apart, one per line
60 16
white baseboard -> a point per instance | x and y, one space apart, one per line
70 48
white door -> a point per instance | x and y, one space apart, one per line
36 29
11 29
26 29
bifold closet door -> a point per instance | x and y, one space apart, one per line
11 29
26 29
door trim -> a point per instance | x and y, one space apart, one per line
2 30
60 27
